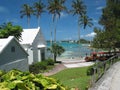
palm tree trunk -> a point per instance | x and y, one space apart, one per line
55 35
28 21
38 21
51 36
79 38
78 34
55 56
55 30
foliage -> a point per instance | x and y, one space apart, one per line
27 11
55 7
41 66
56 50
83 41
7 29
74 78
109 37
17 80
50 61
84 20
78 7
90 70
38 9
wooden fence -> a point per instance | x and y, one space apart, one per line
101 67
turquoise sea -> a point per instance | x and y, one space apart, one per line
73 50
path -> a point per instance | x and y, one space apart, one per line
110 80
67 64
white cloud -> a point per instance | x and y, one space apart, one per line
63 14
3 9
95 21
100 8
90 34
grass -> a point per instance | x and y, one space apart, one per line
74 78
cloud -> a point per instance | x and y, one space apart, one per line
63 14
95 21
92 34
3 9
100 8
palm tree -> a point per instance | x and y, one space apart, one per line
39 9
79 9
26 11
84 21
56 50
55 7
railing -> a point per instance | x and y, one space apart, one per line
101 67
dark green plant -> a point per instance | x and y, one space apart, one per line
27 11
55 7
8 29
39 9
90 70
56 50
50 61
41 66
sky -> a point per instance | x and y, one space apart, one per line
67 26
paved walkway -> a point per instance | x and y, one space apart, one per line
67 64
111 79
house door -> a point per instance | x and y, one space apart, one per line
42 54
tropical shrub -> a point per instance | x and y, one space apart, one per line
17 80
38 67
90 70
50 61
41 66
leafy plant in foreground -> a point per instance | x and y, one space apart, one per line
17 80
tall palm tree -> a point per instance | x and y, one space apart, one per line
26 11
78 8
55 7
39 9
84 20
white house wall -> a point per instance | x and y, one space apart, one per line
17 64
39 40
30 57
7 56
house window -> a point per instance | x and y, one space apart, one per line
12 49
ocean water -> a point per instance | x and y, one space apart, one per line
73 50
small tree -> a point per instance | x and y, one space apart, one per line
56 50
7 29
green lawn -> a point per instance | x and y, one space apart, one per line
74 77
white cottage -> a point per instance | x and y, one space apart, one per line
34 43
12 55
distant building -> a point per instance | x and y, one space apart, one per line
12 55
34 43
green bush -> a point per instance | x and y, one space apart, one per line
50 61
17 80
41 66
90 70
